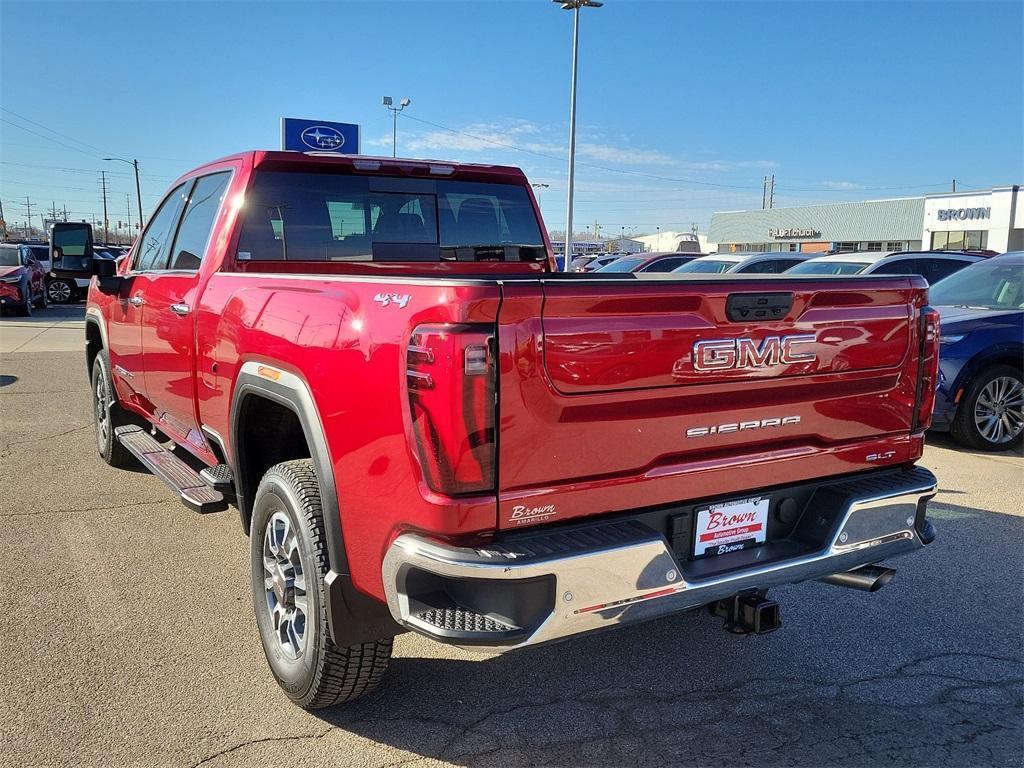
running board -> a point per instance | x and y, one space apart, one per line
193 490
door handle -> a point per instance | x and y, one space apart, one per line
180 309
137 300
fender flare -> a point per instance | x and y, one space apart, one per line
352 616
982 360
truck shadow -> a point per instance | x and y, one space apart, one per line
849 673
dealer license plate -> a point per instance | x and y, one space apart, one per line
731 526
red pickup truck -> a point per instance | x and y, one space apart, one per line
424 427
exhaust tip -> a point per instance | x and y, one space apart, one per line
867 578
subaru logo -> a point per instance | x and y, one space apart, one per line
322 137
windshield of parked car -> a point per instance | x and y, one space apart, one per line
709 266
9 256
347 217
985 285
623 265
813 267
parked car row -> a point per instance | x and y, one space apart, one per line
932 265
55 289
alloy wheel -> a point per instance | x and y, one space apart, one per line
999 410
284 581
59 292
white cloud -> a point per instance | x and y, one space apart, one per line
841 185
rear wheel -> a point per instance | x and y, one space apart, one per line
61 291
288 553
42 302
990 416
107 413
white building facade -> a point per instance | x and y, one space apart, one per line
991 219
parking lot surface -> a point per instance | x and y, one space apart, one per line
128 637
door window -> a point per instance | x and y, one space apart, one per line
197 221
155 243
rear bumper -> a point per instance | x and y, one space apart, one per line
545 586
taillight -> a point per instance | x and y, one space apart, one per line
928 368
450 376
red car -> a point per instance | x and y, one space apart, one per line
425 428
22 280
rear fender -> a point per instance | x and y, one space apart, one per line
352 616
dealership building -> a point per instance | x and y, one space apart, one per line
990 219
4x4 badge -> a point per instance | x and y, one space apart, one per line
401 299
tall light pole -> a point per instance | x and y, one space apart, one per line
386 101
138 190
574 6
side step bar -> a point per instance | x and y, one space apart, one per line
193 490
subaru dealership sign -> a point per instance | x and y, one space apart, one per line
319 136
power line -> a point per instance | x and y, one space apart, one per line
46 128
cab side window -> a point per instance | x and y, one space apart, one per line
155 243
197 221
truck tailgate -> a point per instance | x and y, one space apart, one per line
636 393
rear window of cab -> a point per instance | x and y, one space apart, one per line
292 216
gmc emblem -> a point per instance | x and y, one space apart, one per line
726 354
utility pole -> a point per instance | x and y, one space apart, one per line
65 211
103 182
128 207
28 216
3 221
771 193
954 185
764 193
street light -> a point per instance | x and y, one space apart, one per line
574 6
138 190
386 101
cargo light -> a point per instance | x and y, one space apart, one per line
450 378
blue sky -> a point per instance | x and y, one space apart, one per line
683 106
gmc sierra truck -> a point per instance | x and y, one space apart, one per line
425 427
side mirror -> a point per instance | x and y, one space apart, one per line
71 253
108 280
104 268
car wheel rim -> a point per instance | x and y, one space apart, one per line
284 581
999 410
102 417
59 291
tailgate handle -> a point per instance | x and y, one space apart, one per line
743 307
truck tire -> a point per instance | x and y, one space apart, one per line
288 554
990 416
107 413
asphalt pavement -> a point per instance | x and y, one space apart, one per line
128 637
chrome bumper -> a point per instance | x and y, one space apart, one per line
594 576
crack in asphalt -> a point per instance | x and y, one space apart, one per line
266 739
622 718
7 448
99 508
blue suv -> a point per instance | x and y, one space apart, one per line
980 397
